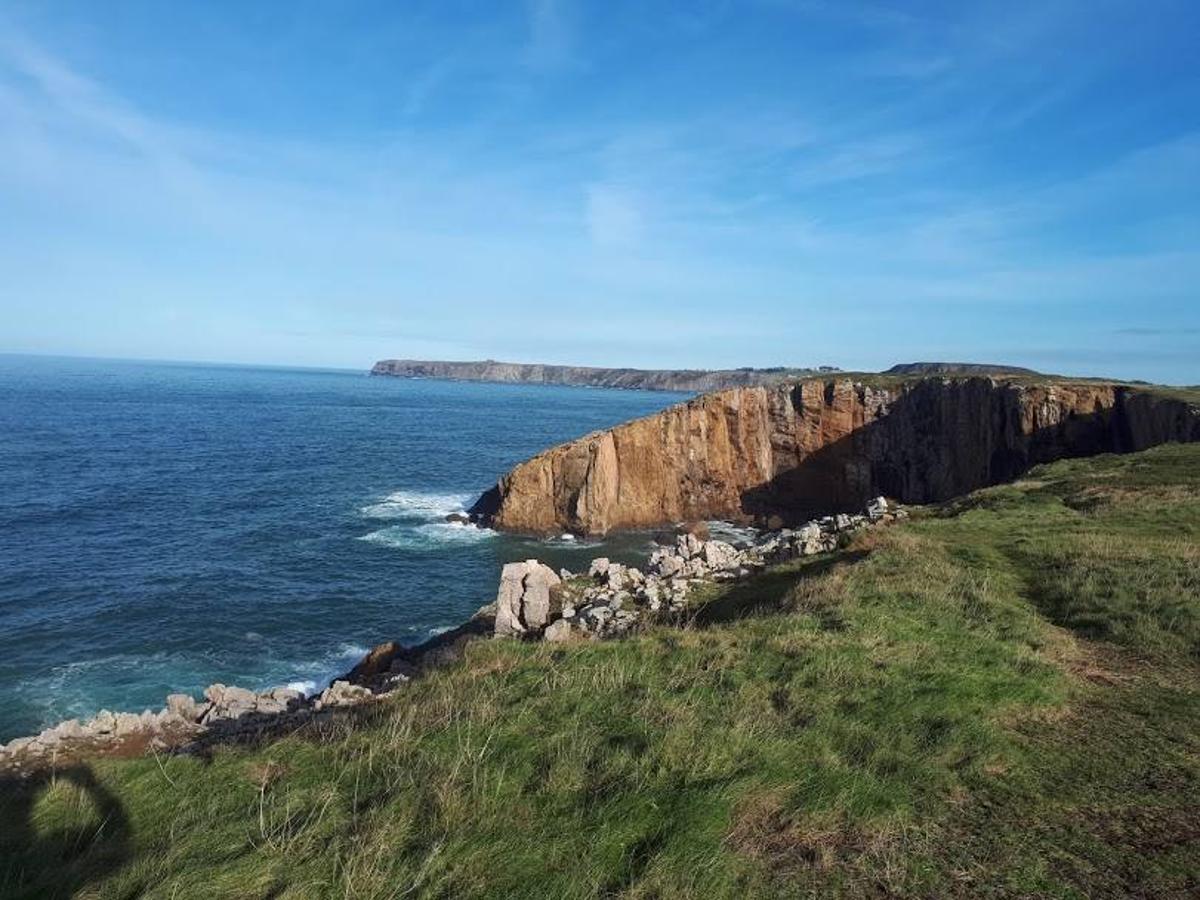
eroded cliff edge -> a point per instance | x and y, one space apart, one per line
823 445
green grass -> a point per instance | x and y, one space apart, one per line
999 698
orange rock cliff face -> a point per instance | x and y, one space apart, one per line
822 446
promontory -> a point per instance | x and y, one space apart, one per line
687 380
784 451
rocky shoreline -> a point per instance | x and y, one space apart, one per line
533 602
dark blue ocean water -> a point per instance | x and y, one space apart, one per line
165 526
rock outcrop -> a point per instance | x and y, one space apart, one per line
793 450
686 380
523 602
226 712
612 600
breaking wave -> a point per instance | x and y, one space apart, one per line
416 505
420 521
430 536
312 677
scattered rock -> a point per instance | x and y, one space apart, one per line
342 693
688 545
559 630
127 724
185 706
720 556
614 598
611 601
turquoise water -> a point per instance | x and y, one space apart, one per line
165 526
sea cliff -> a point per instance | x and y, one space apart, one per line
686 380
786 451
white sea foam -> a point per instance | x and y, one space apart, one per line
571 542
312 677
727 531
430 536
416 505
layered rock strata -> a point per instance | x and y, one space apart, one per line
821 445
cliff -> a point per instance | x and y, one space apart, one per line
819 446
698 380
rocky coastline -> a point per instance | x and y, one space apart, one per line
533 602
760 455
683 380
788 451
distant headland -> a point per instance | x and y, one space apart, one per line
697 380
688 380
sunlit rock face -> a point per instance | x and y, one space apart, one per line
824 445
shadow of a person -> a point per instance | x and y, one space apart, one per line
57 860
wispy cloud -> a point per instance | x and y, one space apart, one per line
420 88
857 12
883 204
551 33
614 216
1173 331
859 159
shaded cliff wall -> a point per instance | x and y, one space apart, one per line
823 445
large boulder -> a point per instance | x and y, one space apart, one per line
229 702
720 556
524 600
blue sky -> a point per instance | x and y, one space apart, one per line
656 184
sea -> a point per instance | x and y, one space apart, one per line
164 526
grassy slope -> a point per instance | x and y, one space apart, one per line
997 699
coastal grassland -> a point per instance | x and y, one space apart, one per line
999 698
